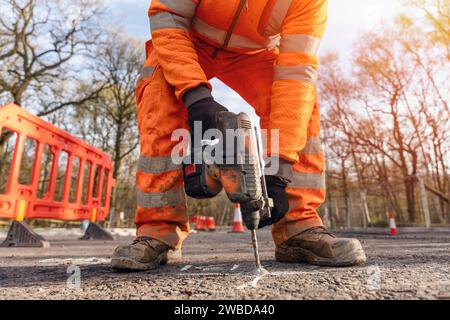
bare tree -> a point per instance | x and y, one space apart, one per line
387 118
42 45
109 122
336 92
437 14
385 74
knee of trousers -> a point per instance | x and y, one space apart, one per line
159 113
160 191
306 192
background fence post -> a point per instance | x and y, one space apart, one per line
364 208
348 201
423 195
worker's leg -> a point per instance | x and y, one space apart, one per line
161 219
252 78
162 211
307 190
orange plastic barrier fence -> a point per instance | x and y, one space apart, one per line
50 174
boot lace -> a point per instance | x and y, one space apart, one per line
322 231
148 241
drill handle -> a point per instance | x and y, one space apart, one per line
268 202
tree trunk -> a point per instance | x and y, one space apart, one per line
410 199
117 152
346 195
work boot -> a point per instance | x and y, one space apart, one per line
143 254
319 247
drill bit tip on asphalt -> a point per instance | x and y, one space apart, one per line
256 250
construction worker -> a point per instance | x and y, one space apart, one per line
266 50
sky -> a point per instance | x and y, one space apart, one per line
348 19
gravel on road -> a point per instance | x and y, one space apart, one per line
219 265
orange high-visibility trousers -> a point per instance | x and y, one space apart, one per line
162 212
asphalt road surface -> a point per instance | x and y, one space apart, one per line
220 265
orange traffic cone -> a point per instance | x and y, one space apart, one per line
201 224
211 224
392 225
204 223
238 227
193 222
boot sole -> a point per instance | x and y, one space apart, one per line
129 264
295 255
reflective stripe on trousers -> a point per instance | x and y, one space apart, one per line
313 181
157 165
313 146
175 197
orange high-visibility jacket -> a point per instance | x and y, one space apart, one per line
294 27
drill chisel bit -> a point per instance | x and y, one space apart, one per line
256 249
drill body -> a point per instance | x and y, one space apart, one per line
231 162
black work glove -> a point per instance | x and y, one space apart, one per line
276 189
206 111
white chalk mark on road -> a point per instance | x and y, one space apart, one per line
216 267
254 283
186 268
230 270
74 261
290 273
251 284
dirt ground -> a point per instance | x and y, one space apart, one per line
219 265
